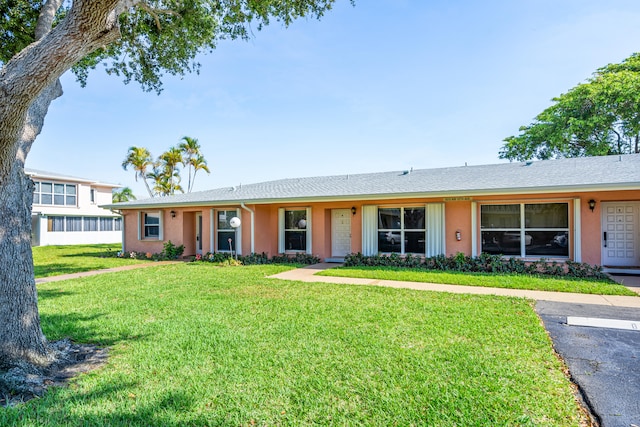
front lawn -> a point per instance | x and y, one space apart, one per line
57 260
492 280
194 344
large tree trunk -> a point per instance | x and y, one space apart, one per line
28 84
21 338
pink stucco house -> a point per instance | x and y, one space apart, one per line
583 209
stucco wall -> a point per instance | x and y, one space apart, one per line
458 214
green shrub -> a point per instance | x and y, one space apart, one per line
171 251
258 258
484 263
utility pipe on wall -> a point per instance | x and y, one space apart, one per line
252 225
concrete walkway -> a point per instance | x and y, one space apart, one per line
103 271
306 274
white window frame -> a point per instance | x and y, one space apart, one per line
282 231
523 229
402 230
217 231
141 225
37 193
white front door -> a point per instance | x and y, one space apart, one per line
199 233
620 234
340 232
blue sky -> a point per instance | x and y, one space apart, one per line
385 85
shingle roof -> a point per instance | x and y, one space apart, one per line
575 174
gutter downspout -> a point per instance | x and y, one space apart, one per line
243 206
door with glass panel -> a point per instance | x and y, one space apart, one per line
199 233
620 230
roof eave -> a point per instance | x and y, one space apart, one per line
386 196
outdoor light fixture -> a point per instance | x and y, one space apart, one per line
353 210
173 214
235 223
592 204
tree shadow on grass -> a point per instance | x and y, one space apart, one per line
116 404
83 329
48 270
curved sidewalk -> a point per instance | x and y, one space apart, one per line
103 271
307 274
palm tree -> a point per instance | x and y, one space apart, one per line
170 160
140 159
192 157
198 163
123 195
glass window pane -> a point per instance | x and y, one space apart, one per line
224 217
223 240
548 243
74 223
46 187
117 224
36 186
414 218
90 223
151 231
55 223
389 218
414 242
151 219
389 241
71 200
295 220
36 198
58 188
71 189
500 216
46 199
58 199
546 215
501 242
106 224
295 240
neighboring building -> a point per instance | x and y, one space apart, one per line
66 211
582 209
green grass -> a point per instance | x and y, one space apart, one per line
57 260
511 281
197 345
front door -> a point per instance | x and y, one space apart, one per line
620 234
340 232
199 233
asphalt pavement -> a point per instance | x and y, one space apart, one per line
604 362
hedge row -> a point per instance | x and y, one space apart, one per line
261 258
484 263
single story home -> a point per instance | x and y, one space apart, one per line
581 209
66 211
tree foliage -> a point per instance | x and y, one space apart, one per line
596 118
139 40
164 172
123 195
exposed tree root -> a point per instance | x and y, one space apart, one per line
24 382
